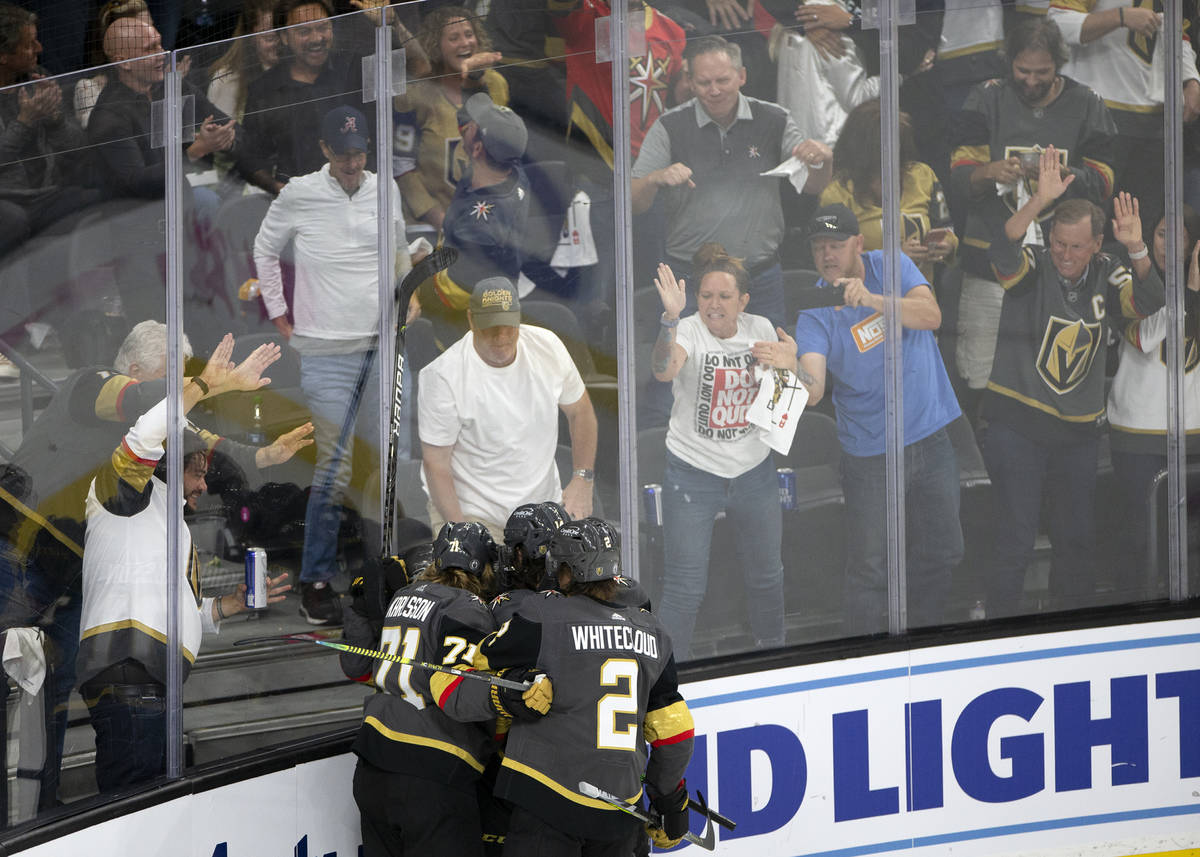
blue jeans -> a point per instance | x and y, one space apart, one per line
130 722
27 595
933 539
328 383
1022 470
691 500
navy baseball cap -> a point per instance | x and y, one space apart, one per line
833 221
344 128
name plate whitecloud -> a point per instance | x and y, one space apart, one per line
1087 741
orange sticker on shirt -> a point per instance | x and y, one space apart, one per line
868 333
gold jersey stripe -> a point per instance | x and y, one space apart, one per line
558 788
135 625
968 50
420 741
66 540
1034 403
666 723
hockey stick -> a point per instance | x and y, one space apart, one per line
437 261
705 809
708 841
373 653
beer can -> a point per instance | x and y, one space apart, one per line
787 487
652 504
256 578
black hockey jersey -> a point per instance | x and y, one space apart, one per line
404 727
615 691
1047 379
995 124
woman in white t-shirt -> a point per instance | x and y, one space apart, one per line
715 459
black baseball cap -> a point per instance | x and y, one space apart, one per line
833 221
344 128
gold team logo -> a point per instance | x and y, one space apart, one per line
1191 354
493 298
1068 349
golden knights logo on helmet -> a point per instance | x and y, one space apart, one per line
1068 349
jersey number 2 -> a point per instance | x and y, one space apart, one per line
610 736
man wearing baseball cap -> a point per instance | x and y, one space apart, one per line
486 218
487 411
333 218
847 341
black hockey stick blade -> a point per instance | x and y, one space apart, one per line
814 297
701 806
387 656
437 261
708 841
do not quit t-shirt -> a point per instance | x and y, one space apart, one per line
713 391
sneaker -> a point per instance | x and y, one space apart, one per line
320 604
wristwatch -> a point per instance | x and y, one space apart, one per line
585 474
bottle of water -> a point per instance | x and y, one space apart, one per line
257 435
978 612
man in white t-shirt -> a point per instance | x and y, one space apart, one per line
487 413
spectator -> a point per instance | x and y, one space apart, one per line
1138 409
1045 400
132 167
848 342
716 460
486 218
285 105
1002 127
248 58
928 238
460 54
1115 51
706 156
123 656
41 525
488 417
87 90
332 217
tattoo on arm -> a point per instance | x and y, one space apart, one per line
805 378
661 358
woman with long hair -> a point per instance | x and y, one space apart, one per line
461 57
247 58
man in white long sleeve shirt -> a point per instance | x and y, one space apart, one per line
332 216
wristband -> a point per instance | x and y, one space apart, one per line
662 319
1140 254
201 384
220 611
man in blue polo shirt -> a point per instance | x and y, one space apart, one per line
847 341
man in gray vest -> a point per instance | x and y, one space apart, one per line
706 157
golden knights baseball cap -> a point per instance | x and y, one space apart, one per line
494 303
833 221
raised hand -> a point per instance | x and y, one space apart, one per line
285 446
777 355
475 62
1051 182
222 375
1127 224
728 14
672 176
672 292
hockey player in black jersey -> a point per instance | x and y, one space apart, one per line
629 592
415 783
615 691
527 536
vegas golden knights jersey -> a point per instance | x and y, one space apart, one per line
405 729
615 692
1047 380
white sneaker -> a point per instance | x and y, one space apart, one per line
7 369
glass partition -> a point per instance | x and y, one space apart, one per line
1019 449
85 350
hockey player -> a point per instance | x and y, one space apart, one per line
629 592
614 691
418 768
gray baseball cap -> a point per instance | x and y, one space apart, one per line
494 303
501 131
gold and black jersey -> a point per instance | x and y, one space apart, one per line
1047 379
405 729
615 692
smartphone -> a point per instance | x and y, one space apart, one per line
937 236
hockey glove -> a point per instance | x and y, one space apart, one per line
530 704
672 809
